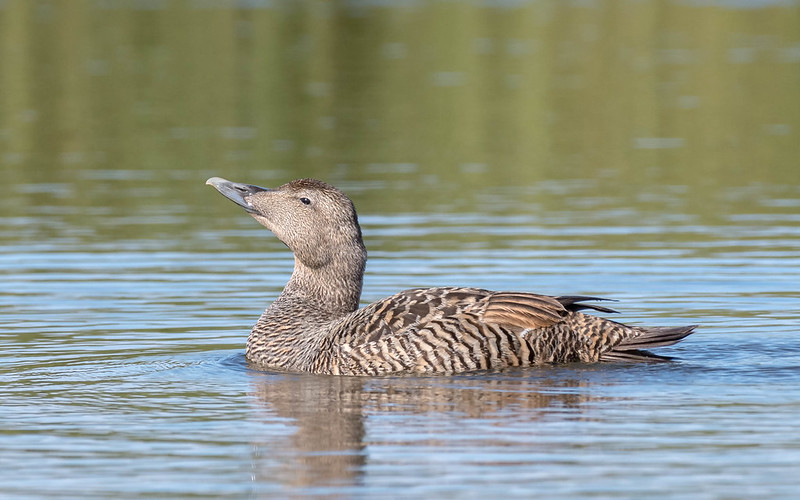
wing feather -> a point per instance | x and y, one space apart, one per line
523 310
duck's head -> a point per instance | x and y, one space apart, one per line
314 219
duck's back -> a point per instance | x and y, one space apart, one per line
451 330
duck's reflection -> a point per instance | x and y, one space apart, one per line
328 447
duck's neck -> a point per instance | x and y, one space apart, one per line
326 293
290 330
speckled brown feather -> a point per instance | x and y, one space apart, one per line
315 326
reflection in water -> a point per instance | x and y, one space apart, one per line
329 445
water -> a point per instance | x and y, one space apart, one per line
535 146
123 373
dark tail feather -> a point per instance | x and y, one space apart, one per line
632 349
573 303
635 355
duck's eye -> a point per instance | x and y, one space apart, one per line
305 201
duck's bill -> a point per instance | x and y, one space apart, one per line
236 192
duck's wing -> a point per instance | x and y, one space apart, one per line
461 329
447 330
415 309
521 310
402 312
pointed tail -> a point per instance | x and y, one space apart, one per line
633 348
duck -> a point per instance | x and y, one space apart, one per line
316 324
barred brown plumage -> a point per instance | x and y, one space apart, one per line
315 325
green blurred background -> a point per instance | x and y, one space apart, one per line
431 99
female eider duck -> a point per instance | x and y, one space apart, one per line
315 325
